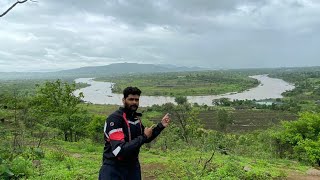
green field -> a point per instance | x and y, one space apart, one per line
243 120
184 83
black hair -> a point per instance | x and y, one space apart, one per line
131 90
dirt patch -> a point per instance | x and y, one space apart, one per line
311 174
314 172
76 155
149 171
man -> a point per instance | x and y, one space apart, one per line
124 135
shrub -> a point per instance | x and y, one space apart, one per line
58 155
301 139
21 167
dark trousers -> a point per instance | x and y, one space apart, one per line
120 172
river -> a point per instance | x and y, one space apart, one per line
100 93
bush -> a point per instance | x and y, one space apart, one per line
21 167
5 172
95 128
58 155
33 153
308 151
301 139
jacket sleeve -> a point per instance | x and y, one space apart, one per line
116 136
155 132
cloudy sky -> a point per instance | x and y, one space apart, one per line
54 35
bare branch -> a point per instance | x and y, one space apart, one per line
13 5
205 165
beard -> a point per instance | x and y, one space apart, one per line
131 107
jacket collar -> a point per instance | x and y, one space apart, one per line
129 112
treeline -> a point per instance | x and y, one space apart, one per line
272 104
51 104
307 87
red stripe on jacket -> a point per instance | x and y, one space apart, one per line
117 136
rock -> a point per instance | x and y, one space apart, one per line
36 163
76 155
247 168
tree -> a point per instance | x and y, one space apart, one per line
55 105
13 5
185 119
94 128
181 100
222 102
224 119
301 138
16 103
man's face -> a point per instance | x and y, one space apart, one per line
131 102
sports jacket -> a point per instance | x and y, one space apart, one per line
124 135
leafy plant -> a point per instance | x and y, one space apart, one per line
21 167
301 137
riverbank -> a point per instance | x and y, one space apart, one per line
101 93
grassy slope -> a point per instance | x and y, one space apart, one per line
81 160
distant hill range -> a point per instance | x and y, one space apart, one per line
99 71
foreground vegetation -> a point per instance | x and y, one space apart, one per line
206 154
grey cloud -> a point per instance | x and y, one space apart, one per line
228 34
